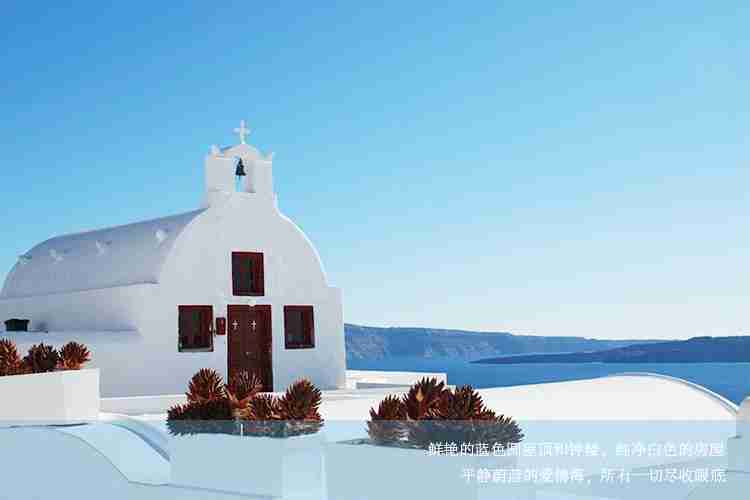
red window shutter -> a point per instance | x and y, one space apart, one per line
260 285
247 274
200 321
299 327
195 327
310 327
183 328
205 326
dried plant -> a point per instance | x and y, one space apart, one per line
430 413
424 398
463 403
300 408
463 418
243 386
301 401
41 358
263 417
293 414
386 425
10 362
73 356
264 407
206 385
210 416
502 431
239 408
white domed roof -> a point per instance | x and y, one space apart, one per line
105 258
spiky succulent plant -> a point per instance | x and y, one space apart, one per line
434 414
73 356
463 403
463 418
301 401
295 413
424 398
299 408
205 385
239 408
212 416
264 407
263 417
386 425
41 358
10 362
243 386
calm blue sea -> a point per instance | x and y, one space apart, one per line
731 380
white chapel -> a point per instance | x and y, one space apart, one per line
232 285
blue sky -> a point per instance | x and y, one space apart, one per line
553 170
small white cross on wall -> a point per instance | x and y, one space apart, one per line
242 130
253 325
235 324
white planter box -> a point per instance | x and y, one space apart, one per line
65 397
278 467
369 472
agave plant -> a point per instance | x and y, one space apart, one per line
73 356
263 417
10 362
264 407
463 418
386 425
464 403
425 398
430 413
210 416
499 430
243 386
293 414
301 401
299 408
239 408
41 358
206 385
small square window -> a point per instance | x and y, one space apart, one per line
247 274
299 327
195 328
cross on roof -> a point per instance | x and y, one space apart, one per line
242 130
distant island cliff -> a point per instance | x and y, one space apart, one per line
695 350
372 343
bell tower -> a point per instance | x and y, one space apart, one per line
239 169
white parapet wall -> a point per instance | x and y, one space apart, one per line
739 446
371 379
140 405
290 467
64 397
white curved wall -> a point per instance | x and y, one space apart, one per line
193 267
144 360
199 272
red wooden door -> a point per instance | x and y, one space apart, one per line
250 342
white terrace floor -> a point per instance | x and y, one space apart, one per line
626 397
646 403
128 451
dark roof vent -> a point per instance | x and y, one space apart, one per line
17 325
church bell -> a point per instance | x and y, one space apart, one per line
240 172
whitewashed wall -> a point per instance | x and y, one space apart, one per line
132 330
105 309
199 272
